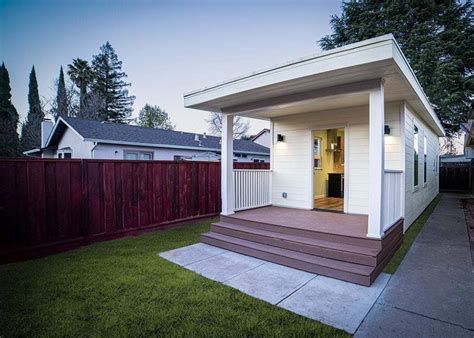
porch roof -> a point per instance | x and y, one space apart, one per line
337 78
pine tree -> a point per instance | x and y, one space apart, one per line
31 129
9 143
436 37
109 83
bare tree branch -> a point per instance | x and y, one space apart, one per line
241 125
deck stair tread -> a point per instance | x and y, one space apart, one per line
330 245
347 267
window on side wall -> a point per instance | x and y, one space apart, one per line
415 157
425 163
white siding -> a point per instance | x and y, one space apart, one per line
292 166
112 151
416 200
292 159
393 142
80 148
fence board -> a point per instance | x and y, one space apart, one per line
48 206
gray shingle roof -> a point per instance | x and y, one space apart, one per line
120 133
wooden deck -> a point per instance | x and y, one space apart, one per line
326 243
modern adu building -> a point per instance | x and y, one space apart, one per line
354 160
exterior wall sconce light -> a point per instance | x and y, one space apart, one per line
387 130
280 138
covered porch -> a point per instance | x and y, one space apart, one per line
361 89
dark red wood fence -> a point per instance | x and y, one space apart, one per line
455 177
48 206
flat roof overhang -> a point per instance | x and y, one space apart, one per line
337 78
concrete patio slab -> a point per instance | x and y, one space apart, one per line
270 282
191 254
334 302
225 266
405 324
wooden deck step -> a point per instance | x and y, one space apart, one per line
294 230
351 272
322 248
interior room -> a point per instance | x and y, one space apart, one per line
328 153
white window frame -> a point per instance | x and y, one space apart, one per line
139 154
416 150
425 161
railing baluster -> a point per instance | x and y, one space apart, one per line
251 188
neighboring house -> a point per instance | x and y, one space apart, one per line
263 138
353 132
78 138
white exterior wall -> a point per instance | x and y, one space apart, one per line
417 199
292 159
264 139
111 151
80 148
393 142
293 164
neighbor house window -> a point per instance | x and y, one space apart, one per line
138 155
317 153
415 157
425 155
131 156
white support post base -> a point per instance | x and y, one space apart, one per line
376 161
227 164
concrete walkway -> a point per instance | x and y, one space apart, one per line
333 302
432 292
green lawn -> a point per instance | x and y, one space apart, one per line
122 288
410 237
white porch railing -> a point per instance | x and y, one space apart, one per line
251 188
392 202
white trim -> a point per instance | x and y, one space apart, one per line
383 48
282 66
56 126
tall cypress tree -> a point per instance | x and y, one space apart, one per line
437 38
61 97
9 143
31 129
109 83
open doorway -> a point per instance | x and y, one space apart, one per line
328 171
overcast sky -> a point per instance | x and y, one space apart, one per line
167 47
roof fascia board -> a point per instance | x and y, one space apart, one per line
352 55
410 76
168 146
295 62
60 119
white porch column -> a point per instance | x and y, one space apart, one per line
376 160
227 164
